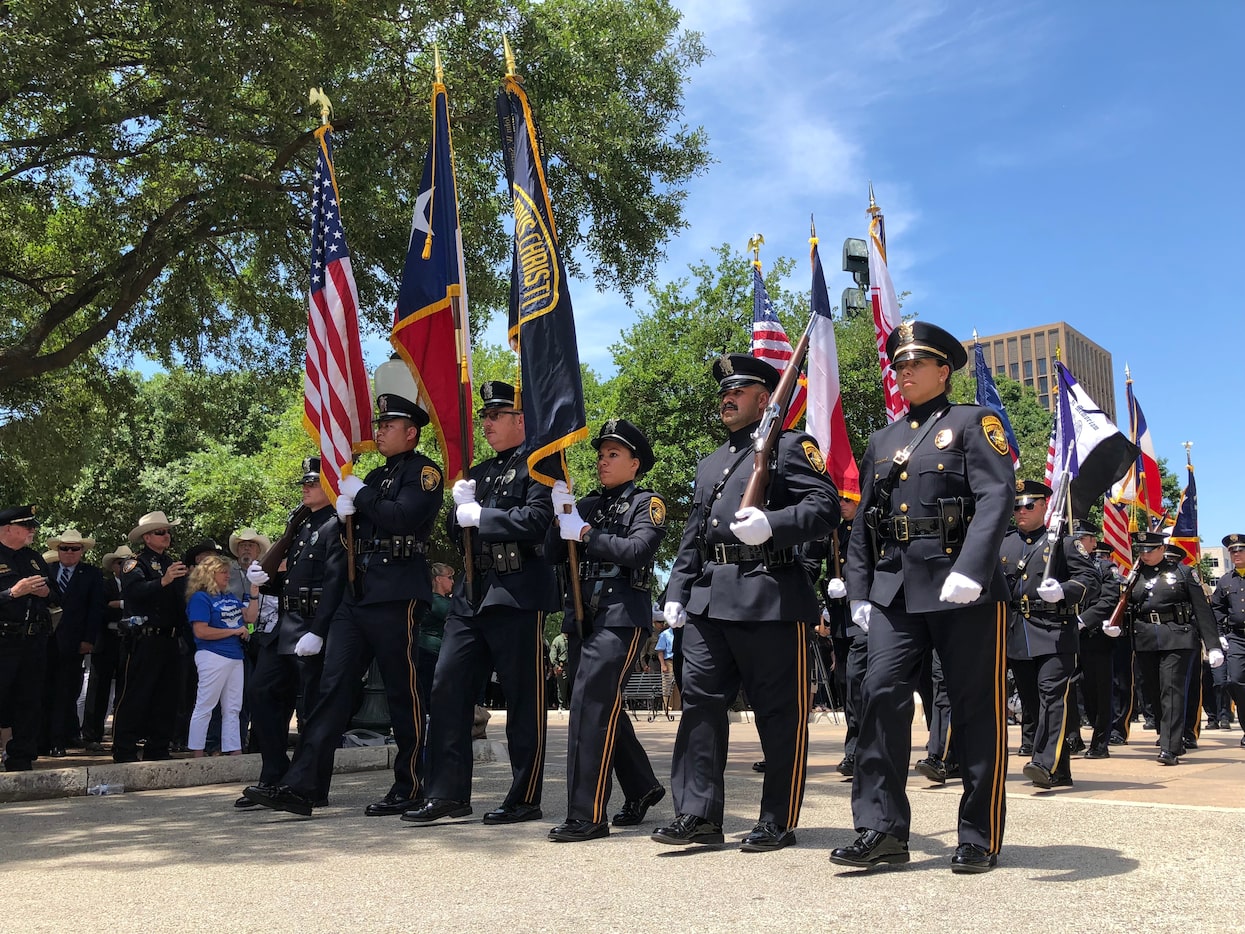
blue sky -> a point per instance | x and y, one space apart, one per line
1036 162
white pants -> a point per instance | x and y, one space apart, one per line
220 679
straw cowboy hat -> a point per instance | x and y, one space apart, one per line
51 557
119 555
151 522
71 537
248 535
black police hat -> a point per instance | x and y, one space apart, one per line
496 395
1234 542
734 370
630 437
19 515
917 339
1102 548
1085 527
207 546
311 471
1176 551
1144 541
390 405
1029 490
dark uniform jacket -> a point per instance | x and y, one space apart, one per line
802 505
616 561
29 614
1035 627
164 607
396 510
841 625
1168 610
964 456
300 587
82 607
1095 616
507 548
1228 603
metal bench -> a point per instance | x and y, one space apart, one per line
644 690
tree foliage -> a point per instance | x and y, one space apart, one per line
154 159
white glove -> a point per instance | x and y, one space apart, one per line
675 615
1215 657
345 506
351 486
468 514
571 525
836 588
1080 623
463 491
751 527
256 575
861 611
561 496
1223 640
959 589
1050 590
1112 631
309 644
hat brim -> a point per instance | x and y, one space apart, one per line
262 541
140 530
86 543
644 455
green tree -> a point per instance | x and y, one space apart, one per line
155 157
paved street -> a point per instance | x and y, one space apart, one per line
1132 846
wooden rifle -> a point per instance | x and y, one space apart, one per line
271 560
1117 615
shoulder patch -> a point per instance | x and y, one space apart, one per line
429 478
993 429
129 565
1080 548
657 511
815 460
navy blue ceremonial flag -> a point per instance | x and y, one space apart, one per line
1089 449
988 395
1184 532
542 322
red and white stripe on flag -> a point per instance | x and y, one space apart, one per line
337 397
885 316
770 343
1115 534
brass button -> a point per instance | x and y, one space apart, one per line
948 551
714 522
903 507
940 467
1024 577
914 424
903 475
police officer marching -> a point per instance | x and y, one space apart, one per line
1228 605
923 573
851 643
1042 626
619 527
1096 647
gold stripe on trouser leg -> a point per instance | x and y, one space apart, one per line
804 701
417 710
1196 674
946 746
1060 749
538 765
999 778
1132 691
599 798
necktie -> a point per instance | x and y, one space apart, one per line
63 579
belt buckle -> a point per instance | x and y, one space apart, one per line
719 553
1154 617
1024 606
897 523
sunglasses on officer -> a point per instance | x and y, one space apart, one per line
68 547
1028 507
492 415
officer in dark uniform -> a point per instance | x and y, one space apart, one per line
748 602
923 572
1168 613
1193 696
497 625
1042 626
940 762
284 681
374 616
619 527
1096 646
24 626
851 644
1228 605
154 587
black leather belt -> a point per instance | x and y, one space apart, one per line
1177 614
1040 608
19 630
403 546
724 553
502 557
599 570
902 529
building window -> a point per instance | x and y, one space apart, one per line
1043 385
1041 366
1015 372
1028 365
1045 400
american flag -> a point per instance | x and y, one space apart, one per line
1115 534
337 398
885 309
770 343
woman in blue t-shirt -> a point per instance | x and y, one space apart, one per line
220 621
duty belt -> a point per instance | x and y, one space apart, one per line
502 557
403 546
903 529
303 603
1061 610
168 632
11 630
598 570
724 553
1177 614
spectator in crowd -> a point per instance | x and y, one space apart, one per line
106 668
559 658
81 594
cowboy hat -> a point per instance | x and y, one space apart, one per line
248 535
120 554
71 537
151 522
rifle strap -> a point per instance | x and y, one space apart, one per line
901 458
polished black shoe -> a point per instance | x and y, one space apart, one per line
576 831
1038 775
1117 739
1225 723
391 805
633 812
514 814
1097 752
1075 743
1190 742
1243 740
933 769
969 857
57 752
766 836
847 766
1026 749
872 848
280 798
436 808
758 766
246 802
1148 725
94 748
688 829
1166 758
1060 781
1211 724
